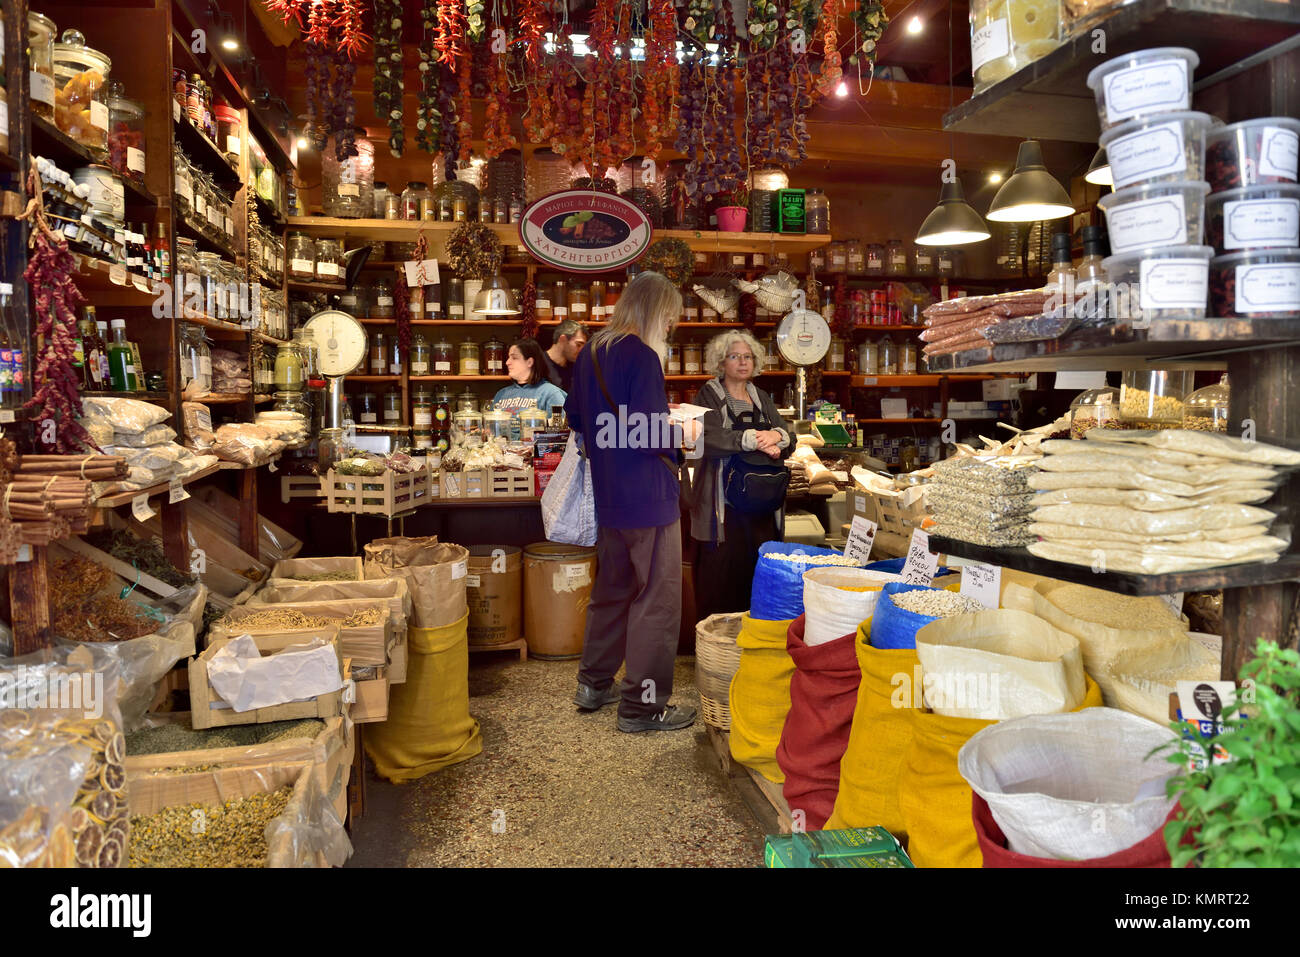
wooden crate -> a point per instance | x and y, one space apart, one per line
366 645
474 483
300 487
291 570
202 697
897 518
371 701
387 494
515 483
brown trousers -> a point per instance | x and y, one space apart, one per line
635 615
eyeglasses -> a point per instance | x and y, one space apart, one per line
740 357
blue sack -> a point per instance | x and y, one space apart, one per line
894 566
894 627
777 593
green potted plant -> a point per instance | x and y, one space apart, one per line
734 211
1245 813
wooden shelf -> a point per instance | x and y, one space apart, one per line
374 378
52 143
270 340
446 322
330 288
94 279
261 399
220 328
1285 569
900 421
1049 98
459 378
125 498
203 241
237 467
162 398
222 398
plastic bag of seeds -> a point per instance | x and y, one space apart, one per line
777 593
893 626
63 799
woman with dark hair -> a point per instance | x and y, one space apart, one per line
526 365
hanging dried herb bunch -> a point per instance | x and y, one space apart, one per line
343 113
671 258
428 123
319 93
870 18
388 83
474 252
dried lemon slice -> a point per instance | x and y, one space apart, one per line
116 749
104 731
103 805
113 778
88 843
78 818
110 855
1033 20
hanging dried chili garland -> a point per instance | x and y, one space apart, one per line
659 105
56 396
321 16
832 71
496 124
389 86
528 311
349 23
539 117
569 133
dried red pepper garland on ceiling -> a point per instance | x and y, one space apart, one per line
607 101
496 123
832 71
659 104
569 134
539 117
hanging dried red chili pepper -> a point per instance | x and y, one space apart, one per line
528 311
496 123
832 71
539 117
350 23
661 75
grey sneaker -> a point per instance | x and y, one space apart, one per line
588 699
672 718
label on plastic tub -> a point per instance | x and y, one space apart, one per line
575 576
1157 87
989 43
1251 223
1147 154
1174 283
1151 222
1278 149
1268 287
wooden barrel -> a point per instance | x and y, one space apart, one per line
495 594
557 591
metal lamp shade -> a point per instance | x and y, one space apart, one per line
953 222
496 299
1032 193
1099 173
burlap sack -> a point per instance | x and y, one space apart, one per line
434 572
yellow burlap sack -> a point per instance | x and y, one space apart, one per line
880 735
760 695
934 798
429 726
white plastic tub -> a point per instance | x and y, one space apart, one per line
1142 83
1166 147
1253 152
1254 217
1169 282
1156 214
1260 284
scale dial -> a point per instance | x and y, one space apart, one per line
803 337
340 341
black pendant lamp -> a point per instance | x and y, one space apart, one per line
953 222
495 298
1099 173
1031 193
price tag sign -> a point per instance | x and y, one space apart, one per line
1175 602
140 283
430 273
862 536
140 508
473 581
6 416
117 274
921 564
176 491
983 583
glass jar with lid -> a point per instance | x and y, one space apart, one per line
613 290
455 298
579 301
126 152
349 183
297 403
888 364
393 407
40 40
419 354
922 260
837 260
379 194
379 354
466 401
868 359
239 306
531 421
692 358
329 260
895 258
444 357
367 408
817 260
81 94
907 358
494 357
1206 410
836 358
875 259
771 355
560 300
598 308
302 257
353 301
1094 409
817 212
1153 398
382 304
183 183
189 286
468 351
543 303
945 263
856 255
674 364
196 360
416 198
395 356
210 282
422 408
288 368
468 428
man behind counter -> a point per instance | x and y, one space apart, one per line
570 337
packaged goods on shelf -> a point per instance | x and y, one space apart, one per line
1007 35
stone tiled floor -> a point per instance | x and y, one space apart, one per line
566 788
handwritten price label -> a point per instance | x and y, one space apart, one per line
140 508
921 564
861 537
983 583
176 491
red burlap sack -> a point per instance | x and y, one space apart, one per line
823 693
1149 852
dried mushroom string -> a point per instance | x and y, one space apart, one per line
389 86
429 117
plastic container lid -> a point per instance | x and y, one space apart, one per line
1140 58
1125 260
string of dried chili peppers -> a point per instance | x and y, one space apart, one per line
496 124
832 70
528 311
659 106
350 22
539 117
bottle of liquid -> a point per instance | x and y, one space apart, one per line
105 374
1090 278
92 352
162 255
138 364
1061 278
7 338
121 359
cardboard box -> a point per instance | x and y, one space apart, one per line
1000 390
893 408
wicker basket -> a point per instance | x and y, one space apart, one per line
716 661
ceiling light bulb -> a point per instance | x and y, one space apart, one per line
302 143
995 178
230 43
953 222
915 26
842 90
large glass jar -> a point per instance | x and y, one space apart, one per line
444 357
40 39
349 184
544 303
857 257
416 198
329 260
395 362
229 132
81 96
674 364
380 194
560 300
945 263
868 359
382 304
922 260
466 401
238 304
836 359
1094 409
214 299
837 262
888 357
1153 398
546 172
907 358
422 409
302 257
288 368
469 358
494 357
456 298
598 308
817 212
393 407
196 360
126 134
895 258
1206 410
189 287
379 354
817 259
875 259
183 177
367 408
579 302
419 354
692 358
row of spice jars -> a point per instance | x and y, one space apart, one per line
468 357
273 312
69 83
205 206
209 286
266 253
577 299
315 259
737 261
852 257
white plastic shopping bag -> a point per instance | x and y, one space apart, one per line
569 500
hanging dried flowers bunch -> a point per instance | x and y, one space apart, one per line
465 106
56 395
672 259
474 22
539 117
449 138
762 24
319 95
659 102
388 83
870 18
474 251
777 99
699 20
428 123
692 104
724 170
528 311
606 103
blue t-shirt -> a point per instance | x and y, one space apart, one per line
514 398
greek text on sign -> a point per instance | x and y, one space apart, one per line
861 537
921 564
982 583
582 231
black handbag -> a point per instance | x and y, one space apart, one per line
753 484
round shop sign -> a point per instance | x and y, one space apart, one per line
585 231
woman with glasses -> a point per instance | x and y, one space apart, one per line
738 487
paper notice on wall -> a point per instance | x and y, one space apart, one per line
415 276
